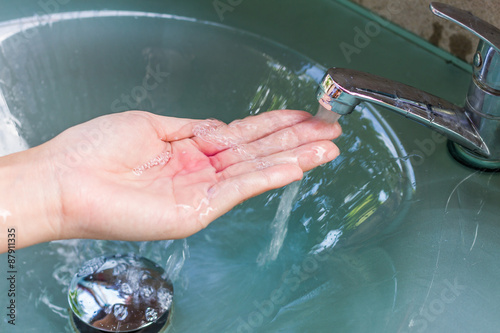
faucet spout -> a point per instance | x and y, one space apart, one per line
473 130
342 89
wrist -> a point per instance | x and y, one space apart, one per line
30 197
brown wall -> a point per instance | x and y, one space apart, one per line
414 15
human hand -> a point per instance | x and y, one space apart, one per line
139 176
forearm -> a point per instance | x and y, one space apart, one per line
29 198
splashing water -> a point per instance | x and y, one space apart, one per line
279 226
161 159
11 140
72 254
91 266
211 132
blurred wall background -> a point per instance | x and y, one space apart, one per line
415 16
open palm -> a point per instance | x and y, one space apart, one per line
140 176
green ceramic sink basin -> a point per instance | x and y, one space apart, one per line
393 236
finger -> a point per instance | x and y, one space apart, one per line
229 193
306 157
213 136
288 138
255 127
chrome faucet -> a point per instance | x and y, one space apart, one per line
474 129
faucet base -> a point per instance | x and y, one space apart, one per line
472 160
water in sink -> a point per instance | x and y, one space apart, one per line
327 271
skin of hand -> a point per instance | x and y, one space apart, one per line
81 184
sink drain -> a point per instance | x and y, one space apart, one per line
79 326
120 293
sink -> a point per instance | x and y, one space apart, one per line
392 236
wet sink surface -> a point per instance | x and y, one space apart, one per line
79 67
393 236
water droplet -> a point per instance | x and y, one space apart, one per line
126 289
151 314
120 311
263 165
147 291
164 298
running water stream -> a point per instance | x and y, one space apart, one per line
279 225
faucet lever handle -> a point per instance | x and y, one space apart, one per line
487 32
